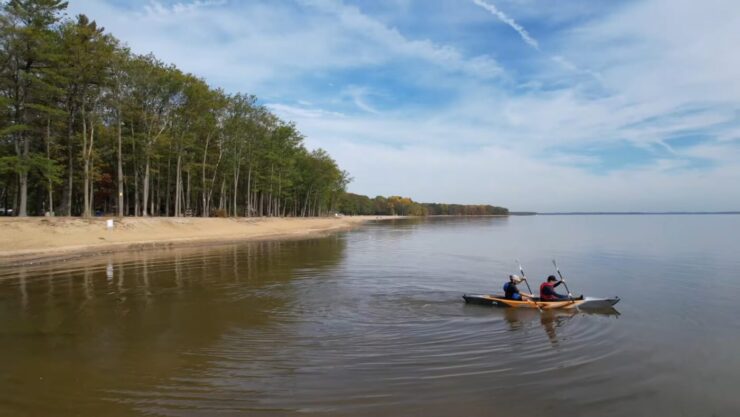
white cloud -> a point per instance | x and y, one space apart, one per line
257 45
157 9
359 98
501 176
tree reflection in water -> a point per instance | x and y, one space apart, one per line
77 331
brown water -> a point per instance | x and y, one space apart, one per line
371 322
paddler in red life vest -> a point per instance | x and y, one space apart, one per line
512 292
547 290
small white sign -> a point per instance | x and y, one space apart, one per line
109 224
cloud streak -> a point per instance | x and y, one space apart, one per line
526 37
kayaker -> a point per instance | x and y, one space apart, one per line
511 291
547 290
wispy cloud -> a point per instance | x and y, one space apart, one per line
359 98
509 21
156 8
392 40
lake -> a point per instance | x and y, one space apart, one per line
371 322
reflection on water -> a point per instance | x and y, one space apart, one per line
72 332
549 320
371 322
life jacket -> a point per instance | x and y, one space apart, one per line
509 290
546 295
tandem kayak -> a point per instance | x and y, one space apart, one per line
498 300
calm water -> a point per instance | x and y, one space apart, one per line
371 323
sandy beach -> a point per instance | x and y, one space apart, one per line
37 239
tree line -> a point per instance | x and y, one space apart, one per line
87 126
356 204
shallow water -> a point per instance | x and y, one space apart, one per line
371 322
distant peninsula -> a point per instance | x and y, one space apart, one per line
356 204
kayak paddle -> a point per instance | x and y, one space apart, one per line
526 281
562 280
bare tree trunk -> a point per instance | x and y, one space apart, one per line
305 202
66 208
187 192
262 203
222 200
23 186
167 190
145 194
137 203
86 167
127 193
182 198
249 191
209 195
157 194
203 176
213 180
120 166
236 185
48 156
178 187
269 199
152 198
254 203
280 189
15 199
136 172
92 187
67 202
21 149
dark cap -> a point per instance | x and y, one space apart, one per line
551 278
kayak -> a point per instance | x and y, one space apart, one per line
498 300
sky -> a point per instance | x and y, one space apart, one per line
569 105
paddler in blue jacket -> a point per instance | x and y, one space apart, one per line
512 292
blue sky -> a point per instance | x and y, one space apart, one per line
530 104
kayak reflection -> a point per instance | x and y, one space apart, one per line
550 320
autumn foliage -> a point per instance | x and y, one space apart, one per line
356 204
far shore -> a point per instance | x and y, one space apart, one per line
44 239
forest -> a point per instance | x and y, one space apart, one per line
355 204
87 127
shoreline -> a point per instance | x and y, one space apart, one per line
34 240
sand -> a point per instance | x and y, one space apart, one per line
39 239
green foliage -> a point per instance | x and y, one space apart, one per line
8 164
440 209
356 204
71 94
13 129
35 163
